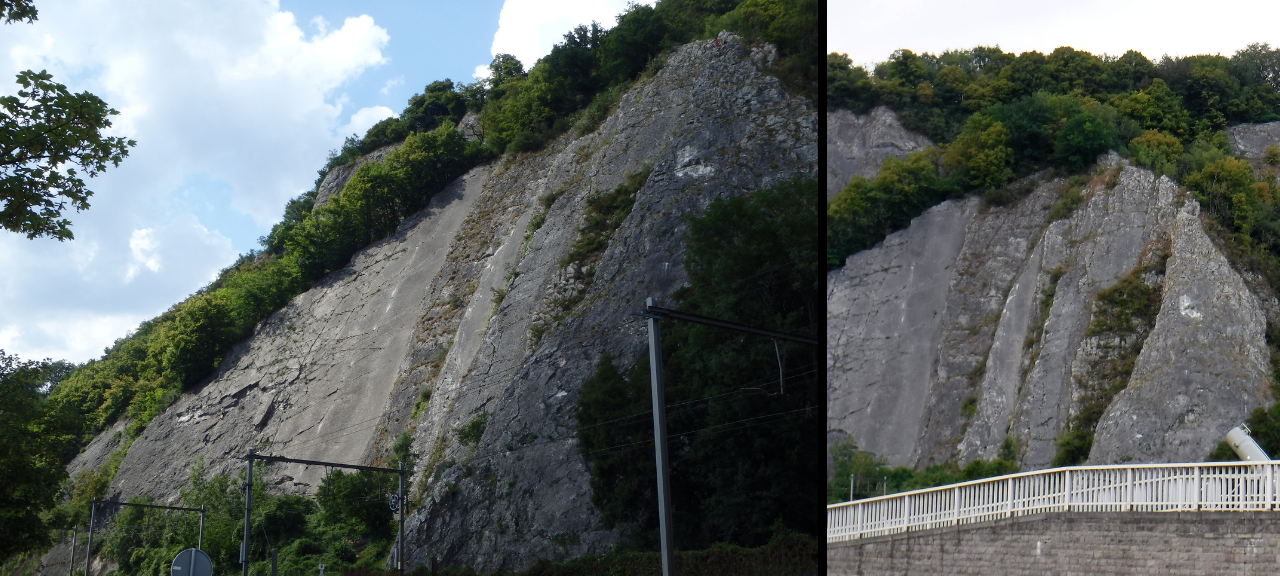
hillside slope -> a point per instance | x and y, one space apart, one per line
335 375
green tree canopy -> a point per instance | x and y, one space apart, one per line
48 137
30 469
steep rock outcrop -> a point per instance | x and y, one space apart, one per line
710 125
857 145
335 374
1011 342
1204 366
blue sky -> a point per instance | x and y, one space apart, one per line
234 105
869 31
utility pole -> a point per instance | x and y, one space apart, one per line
248 502
88 551
400 505
200 542
72 565
653 314
660 443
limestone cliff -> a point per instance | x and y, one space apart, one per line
335 375
856 145
979 324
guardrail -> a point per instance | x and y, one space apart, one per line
1140 488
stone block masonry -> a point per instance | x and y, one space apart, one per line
1142 543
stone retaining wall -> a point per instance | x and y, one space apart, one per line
1154 543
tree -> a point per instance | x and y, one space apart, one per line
45 133
29 466
17 10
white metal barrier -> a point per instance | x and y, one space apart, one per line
1140 488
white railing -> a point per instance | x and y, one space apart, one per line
1139 488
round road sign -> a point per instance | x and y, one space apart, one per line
191 562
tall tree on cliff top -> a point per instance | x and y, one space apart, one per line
48 138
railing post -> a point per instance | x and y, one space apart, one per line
1197 504
858 522
1128 490
906 516
1269 489
955 514
1008 503
1067 496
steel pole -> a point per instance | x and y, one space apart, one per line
660 444
72 565
248 504
200 542
88 550
400 537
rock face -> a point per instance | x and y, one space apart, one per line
884 324
975 325
856 145
1205 365
335 375
1251 140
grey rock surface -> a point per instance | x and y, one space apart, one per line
469 126
315 378
706 123
995 246
967 329
1102 241
857 145
1204 367
335 375
1251 140
885 314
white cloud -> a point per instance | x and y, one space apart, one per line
233 96
482 72
365 118
392 83
527 29
869 31
143 246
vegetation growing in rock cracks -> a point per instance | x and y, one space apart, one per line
520 108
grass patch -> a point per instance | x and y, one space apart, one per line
604 213
1122 317
471 432
1070 198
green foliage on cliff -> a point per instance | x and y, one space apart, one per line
744 453
1061 111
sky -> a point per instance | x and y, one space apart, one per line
234 106
870 30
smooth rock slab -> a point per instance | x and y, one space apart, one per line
884 319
